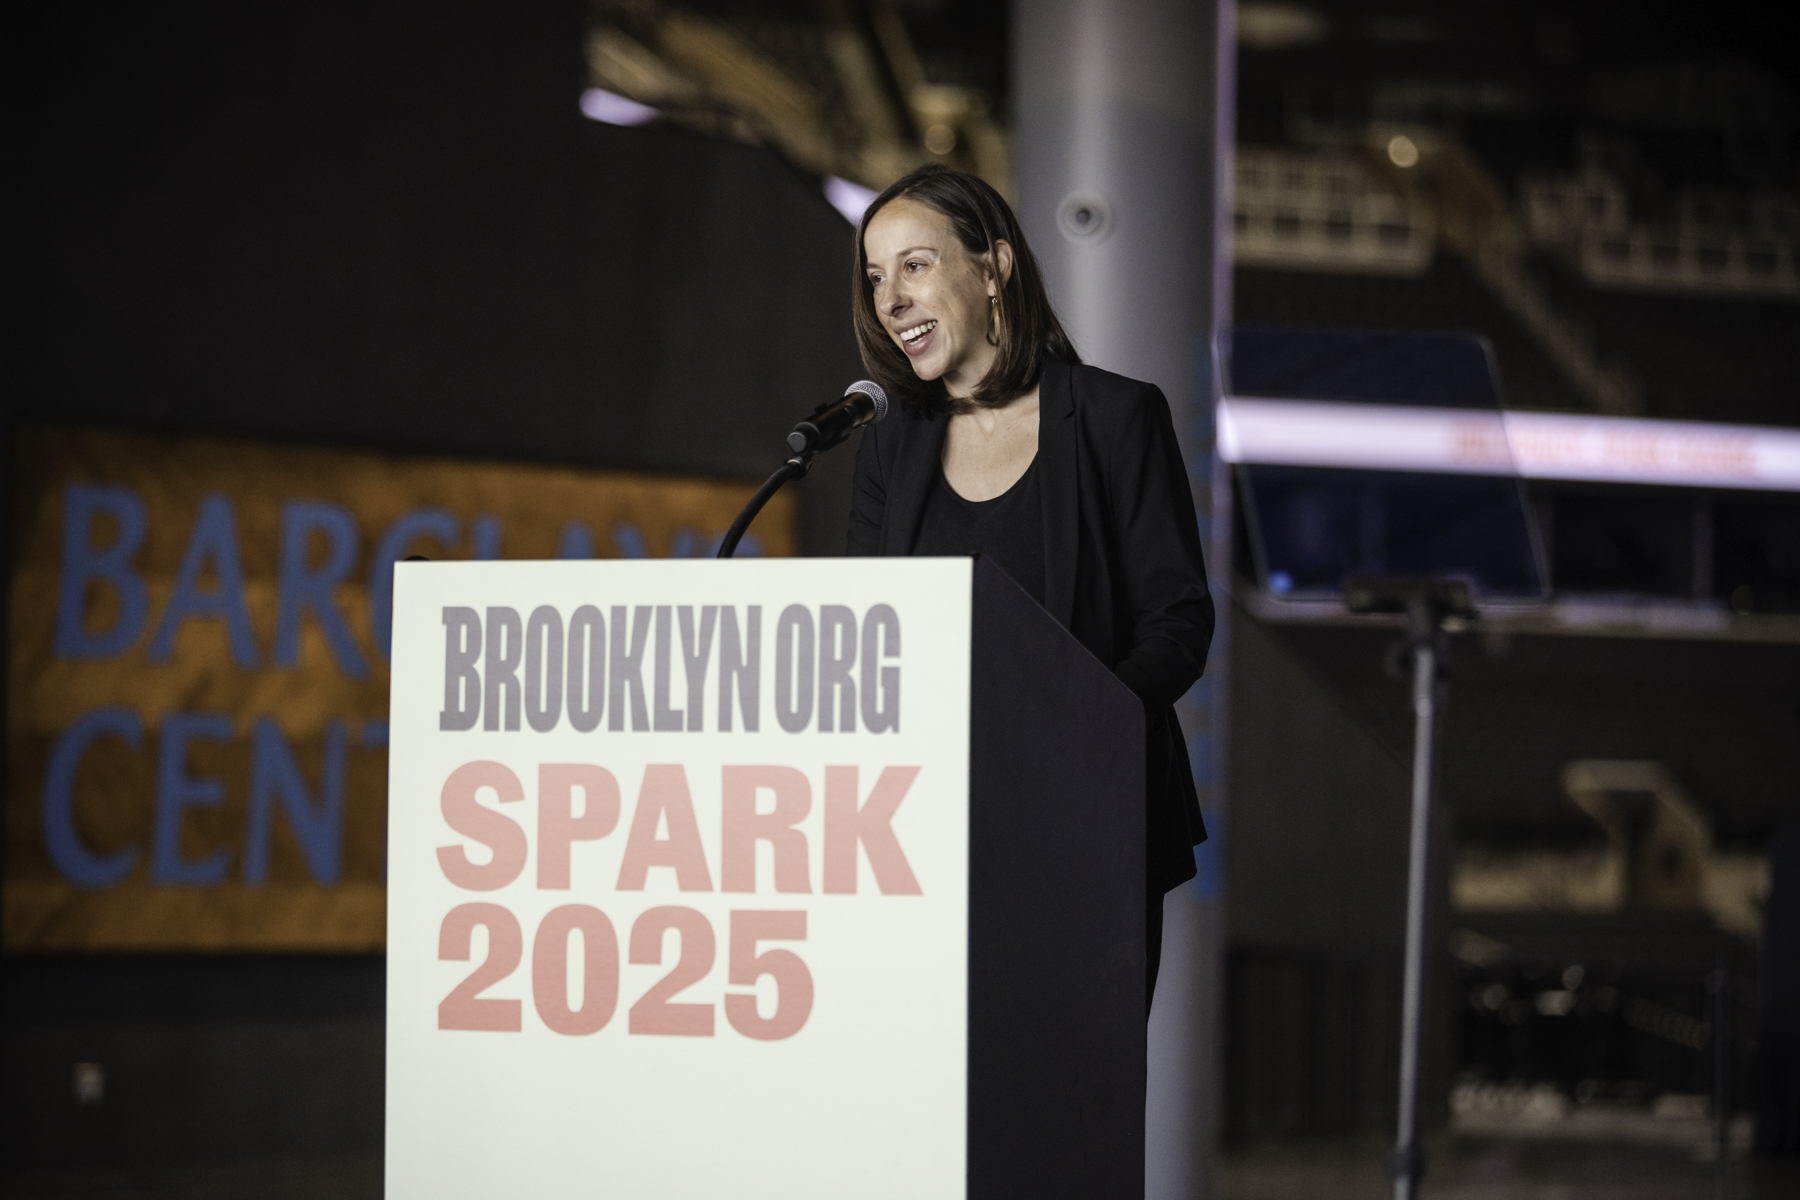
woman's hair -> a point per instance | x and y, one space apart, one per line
1028 325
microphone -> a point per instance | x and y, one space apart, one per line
829 424
864 403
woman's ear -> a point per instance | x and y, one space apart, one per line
1003 263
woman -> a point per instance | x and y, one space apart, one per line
1068 476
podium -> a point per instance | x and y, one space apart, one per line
759 878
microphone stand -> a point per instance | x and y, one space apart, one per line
1427 602
793 468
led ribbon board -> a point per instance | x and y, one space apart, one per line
1530 445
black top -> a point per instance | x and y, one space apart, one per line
1009 528
1122 568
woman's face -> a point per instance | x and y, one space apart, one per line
931 294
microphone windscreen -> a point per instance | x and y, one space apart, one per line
872 390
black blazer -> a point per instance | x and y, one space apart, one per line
1122 565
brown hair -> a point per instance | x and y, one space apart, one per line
1029 330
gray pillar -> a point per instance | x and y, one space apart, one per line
1124 112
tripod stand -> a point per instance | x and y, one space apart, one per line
1426 603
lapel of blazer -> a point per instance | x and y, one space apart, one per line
1058 470
917 455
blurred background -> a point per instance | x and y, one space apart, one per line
305 289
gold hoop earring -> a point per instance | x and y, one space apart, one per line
993 337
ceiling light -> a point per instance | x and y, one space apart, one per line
851 199
611 108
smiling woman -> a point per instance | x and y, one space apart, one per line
1065 475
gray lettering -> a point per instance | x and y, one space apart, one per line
696 659
587 688
667 719
504 649
740 660
628 669
837 655
543 668
880 637
462 682
794 681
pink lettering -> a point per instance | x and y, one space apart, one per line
557 824
664 795
466 1007
793 982
654 1014
744 827
846 825
497 831
599 970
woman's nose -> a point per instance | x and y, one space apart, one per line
892 300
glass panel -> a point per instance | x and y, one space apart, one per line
1314 528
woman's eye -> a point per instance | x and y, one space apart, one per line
915 266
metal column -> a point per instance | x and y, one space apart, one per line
1124 111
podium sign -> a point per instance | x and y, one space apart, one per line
679 879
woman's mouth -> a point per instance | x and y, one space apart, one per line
918 339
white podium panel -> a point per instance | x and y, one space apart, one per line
678 879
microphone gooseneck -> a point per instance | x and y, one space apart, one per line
828 425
